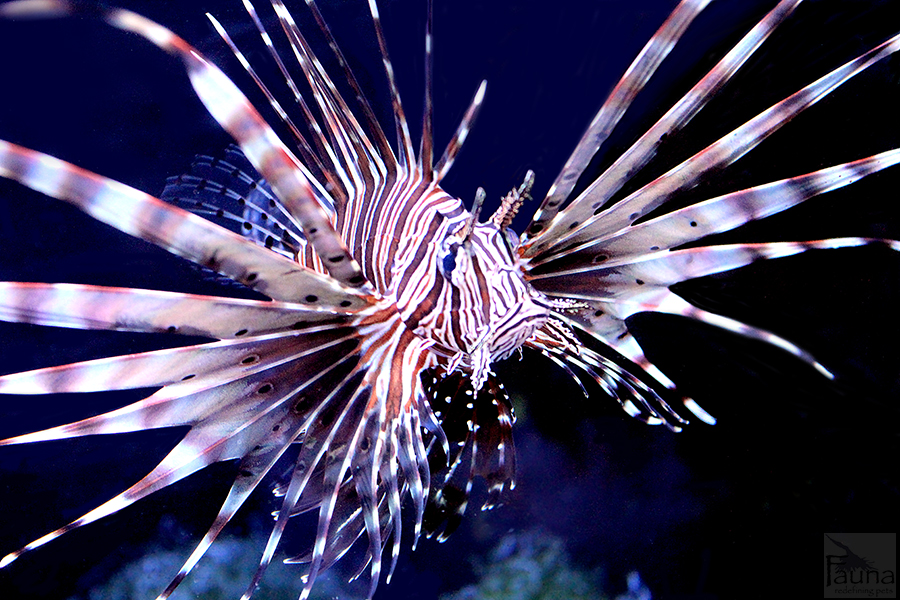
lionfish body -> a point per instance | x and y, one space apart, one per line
387 300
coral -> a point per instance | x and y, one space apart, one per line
533 565
228 565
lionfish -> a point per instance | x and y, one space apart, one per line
382 302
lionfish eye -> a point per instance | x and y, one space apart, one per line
448 262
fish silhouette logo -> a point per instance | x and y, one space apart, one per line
851 561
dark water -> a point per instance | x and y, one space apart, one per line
731 511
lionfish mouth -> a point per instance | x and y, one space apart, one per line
385 302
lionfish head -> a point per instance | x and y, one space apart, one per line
493 308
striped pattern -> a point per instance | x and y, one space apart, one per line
642 151
567 230
389 301
638 74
